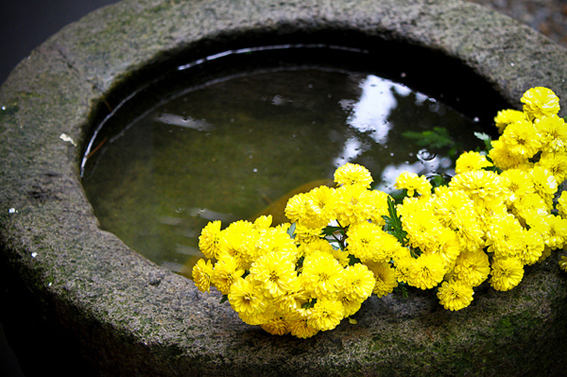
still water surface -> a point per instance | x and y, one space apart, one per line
228 148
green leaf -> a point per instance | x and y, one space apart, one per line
330 230
437 138
394 223
291 231
486 138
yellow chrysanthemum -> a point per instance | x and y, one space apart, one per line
274 272
238 242
413 183
506 273
326 314
533 247
539 102
350 304
552 133
469 161
556 234
379 203
226 272
385 277
323 203
455 295
245 297
563 263
210 238
505 237
544 183
358 281
505 117
471 268
368 242
521 139
201 275
503 158
426 271
556 164
354 204
276 326
562 204
301 327
271 240
291 301
353 174
318 245
305 234
516 184
263 222
478 184
322 274
301 209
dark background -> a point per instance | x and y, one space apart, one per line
25 24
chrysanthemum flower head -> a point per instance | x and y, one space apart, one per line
427 271
369 243
552 133
563 263
210 238
201 274
478 184
225 273
413 183
562 204
506 273
247 298
274 272
455 295
385 277
503 158
326 314
506 117
556 164
353 174
471 268
505 237
521 139
322 274
539 102
471 161
354 204
358 281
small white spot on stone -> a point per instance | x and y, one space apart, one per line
12 210
67 138
34 254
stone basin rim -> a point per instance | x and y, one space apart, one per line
96 293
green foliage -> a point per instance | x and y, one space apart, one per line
394 224
485 138
437 138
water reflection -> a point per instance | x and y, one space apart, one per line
228 150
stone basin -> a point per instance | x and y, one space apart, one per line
77 301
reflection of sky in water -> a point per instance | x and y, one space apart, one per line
370 116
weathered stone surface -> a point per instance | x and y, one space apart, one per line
88 303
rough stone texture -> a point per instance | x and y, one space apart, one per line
91 306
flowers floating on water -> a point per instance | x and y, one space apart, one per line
343 244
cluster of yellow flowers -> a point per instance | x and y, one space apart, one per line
343 244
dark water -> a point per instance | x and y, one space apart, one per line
227 148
